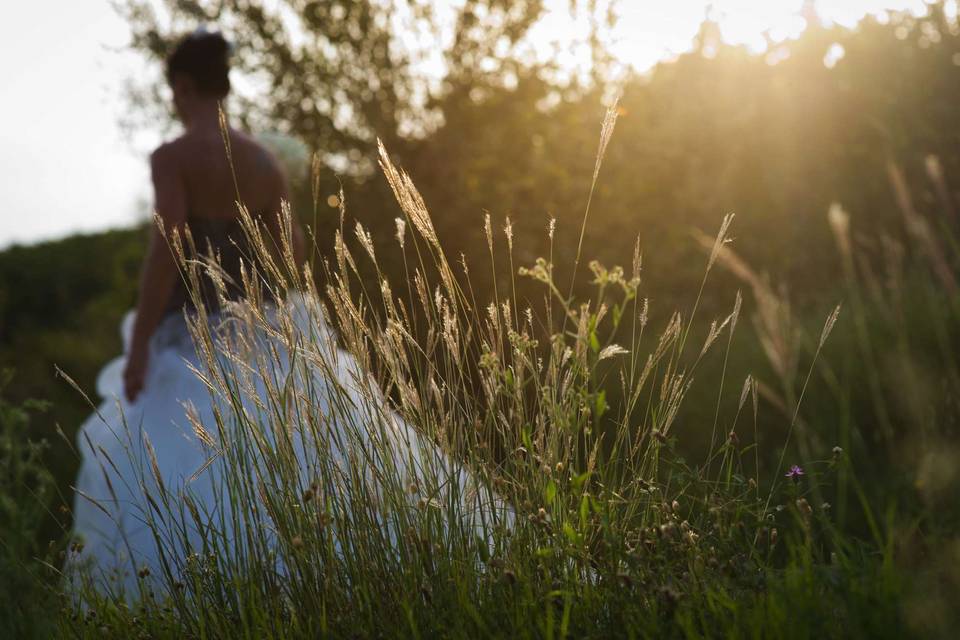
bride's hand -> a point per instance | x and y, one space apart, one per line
135 373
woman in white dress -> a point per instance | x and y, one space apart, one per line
217 398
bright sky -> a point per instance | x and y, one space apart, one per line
65 166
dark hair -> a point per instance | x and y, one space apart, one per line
204 57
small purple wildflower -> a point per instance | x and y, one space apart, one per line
795 472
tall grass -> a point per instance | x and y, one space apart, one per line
887 394
409 461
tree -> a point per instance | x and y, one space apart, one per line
340 73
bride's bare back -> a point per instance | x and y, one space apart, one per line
199 185
209 190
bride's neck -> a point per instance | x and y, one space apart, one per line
203 116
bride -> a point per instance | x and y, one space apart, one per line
233 424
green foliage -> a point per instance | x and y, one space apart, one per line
28 494
60 305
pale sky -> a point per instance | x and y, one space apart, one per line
66 167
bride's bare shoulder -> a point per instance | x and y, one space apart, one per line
250 144
165 159
171 151
255 155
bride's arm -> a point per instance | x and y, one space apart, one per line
159 269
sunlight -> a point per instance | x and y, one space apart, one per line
645 33
751 23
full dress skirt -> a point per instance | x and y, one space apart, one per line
244 414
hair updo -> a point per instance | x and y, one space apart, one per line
204 57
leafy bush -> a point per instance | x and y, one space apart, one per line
28 493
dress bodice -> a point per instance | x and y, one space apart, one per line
227 240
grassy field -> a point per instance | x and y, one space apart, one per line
640 485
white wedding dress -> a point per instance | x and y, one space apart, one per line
156 473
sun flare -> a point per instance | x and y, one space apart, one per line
644 32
